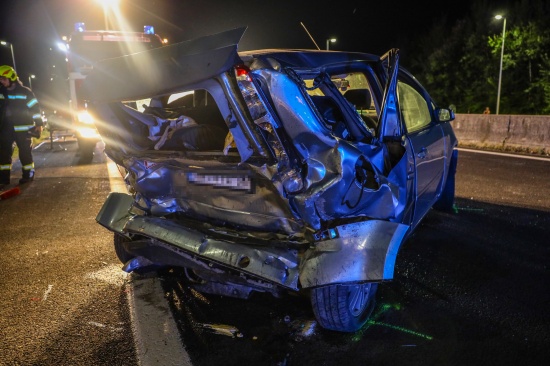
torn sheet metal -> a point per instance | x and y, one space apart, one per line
159 70
363 251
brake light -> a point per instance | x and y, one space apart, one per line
289 177
242 72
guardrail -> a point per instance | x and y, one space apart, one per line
508 132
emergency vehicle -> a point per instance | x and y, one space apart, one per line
84 48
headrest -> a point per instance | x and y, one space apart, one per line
360 98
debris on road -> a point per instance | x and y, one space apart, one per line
223 329
9 193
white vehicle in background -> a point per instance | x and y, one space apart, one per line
84 49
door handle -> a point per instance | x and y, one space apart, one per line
422 153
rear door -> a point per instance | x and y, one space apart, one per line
406 115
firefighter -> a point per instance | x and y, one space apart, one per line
20 120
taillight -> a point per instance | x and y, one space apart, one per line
242 73
290 177
250 94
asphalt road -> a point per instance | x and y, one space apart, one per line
62 294
471 288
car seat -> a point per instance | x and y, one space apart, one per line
361 99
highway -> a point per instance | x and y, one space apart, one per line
471 287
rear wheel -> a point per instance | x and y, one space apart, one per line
343 308
120 250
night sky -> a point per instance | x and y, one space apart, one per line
34 26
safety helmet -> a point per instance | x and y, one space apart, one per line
8 72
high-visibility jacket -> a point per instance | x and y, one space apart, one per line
20 108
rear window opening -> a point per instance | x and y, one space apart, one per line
187 121
355 89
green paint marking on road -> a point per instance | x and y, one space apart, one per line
384 308
471 209
401 329
372 321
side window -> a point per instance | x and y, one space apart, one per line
414 108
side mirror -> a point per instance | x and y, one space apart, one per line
445 114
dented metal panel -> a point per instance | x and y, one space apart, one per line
237 196
276 265
363 251
331 162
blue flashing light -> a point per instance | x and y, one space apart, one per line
148 29
79 27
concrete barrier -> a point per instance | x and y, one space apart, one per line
504 131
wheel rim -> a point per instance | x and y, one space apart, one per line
359 298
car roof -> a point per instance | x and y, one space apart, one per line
308 58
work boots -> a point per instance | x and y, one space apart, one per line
28 176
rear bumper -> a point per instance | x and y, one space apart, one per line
276 265
363 251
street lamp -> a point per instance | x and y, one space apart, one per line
501 57
4 43
107 4
31 76
328 42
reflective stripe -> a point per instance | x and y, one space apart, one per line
17 97
22 128
32 102
28 166
37 116
5 167
2 96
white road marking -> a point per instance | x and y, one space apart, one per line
519 156
96 324
111 274
156 335
47 292
100 325
115 179
155 332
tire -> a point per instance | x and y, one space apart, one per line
120 250
447 199
343 308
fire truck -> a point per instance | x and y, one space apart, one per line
83 49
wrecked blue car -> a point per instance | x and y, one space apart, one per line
271 170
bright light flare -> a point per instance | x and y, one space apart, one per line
108 3
62 46
85 117
87 132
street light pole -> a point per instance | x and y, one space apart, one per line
501 58
4 43
328 42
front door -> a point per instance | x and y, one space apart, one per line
427 143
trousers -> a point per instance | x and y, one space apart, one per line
24 143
